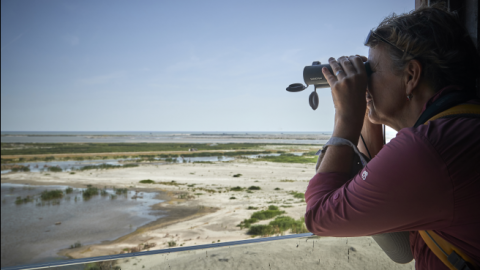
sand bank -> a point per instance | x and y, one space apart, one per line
196 216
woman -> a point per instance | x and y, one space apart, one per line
428 177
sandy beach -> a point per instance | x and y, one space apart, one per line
196 215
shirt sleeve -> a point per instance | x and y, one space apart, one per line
405 187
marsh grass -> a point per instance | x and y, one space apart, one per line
21 200
261 215
90 192
68 190
54 169
254 188
279 226
76 245
298 195
289 158
171 183
147 181
67 148
51 194
237 188
106 166
121 191
20 168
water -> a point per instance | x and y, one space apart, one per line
29 234
70 165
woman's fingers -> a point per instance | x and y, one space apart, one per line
347 65
337 68
357 62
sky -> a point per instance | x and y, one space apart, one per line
117 65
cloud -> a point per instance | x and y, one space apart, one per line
102 79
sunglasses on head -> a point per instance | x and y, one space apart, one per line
372 34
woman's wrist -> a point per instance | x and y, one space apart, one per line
347 131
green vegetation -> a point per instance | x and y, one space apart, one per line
121 191
67 148
172 244
90 192
76 245
252 208
261 215
20 168
72 172
237 175
237 188
297 195
277 188
51 194
254 188
278 226
204 162
172 183
289 158
21 200
147 181
232 198
68 190
106 166
54 169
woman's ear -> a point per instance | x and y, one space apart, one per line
412 72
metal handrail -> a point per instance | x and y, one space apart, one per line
154 252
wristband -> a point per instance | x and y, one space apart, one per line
341 141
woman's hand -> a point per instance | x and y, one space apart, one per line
348 91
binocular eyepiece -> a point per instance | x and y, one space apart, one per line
312 75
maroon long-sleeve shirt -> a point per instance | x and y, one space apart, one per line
427 178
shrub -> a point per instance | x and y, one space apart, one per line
55 169
51 194
298 195
272 207
267 214
237 175
254 188
76 245
232 198
172 243
277 188
279 225
89 192
236 189
252 208
260 230
20 169
21 200
121 191
147 181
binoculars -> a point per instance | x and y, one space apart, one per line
312 75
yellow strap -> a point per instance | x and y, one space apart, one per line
444 245
459 109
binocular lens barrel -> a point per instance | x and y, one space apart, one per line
312 75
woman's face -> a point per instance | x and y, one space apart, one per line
386 94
